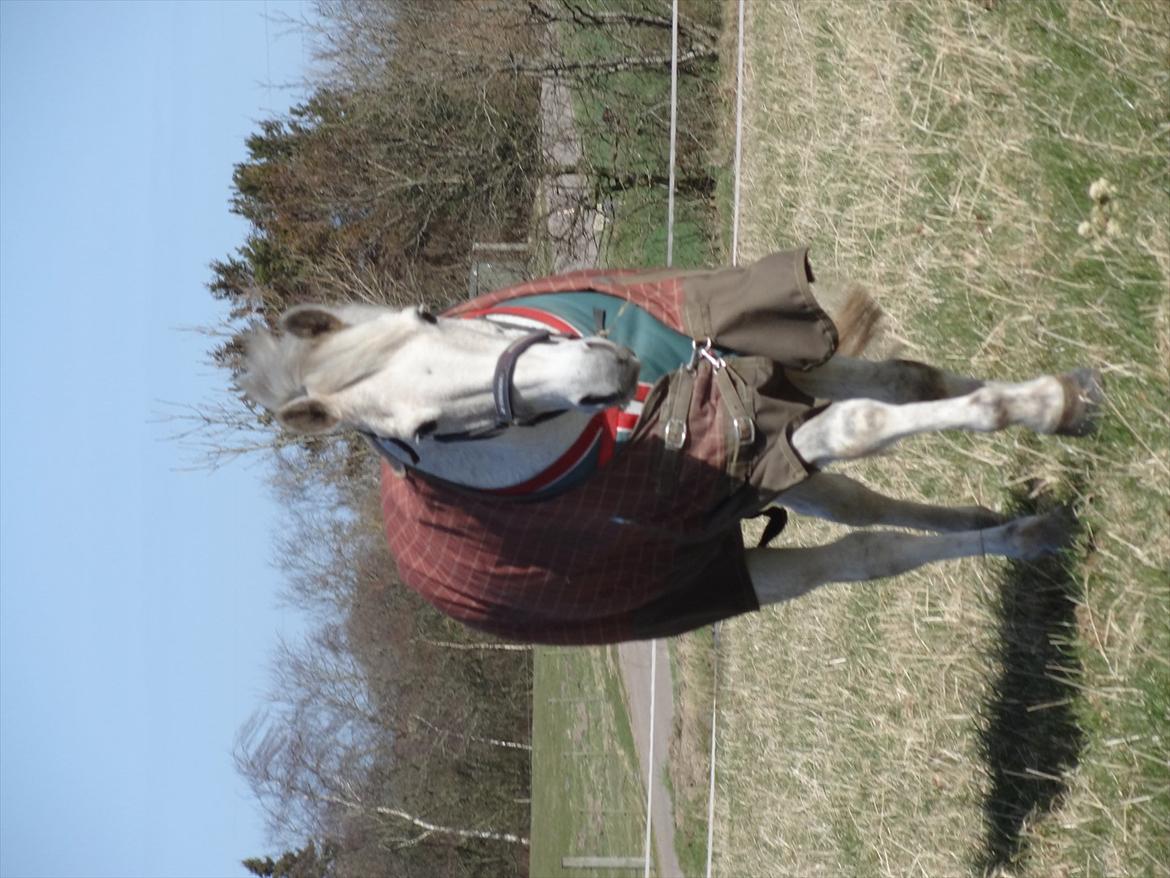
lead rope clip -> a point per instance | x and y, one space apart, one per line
706 352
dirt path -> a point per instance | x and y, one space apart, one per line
575 232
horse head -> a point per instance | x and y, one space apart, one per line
406 374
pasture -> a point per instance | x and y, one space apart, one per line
590 800
978 717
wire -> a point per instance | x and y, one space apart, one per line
738 140
669 262
650 756
734 261
673 131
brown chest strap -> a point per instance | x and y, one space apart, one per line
741 426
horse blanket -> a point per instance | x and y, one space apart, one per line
637 535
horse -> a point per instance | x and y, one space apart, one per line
568 460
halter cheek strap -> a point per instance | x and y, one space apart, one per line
506 371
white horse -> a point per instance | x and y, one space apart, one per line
423 383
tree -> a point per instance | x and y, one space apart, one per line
306 862
420 134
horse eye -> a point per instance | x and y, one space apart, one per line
425 429
427 316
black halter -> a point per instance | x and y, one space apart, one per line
506 372
502 388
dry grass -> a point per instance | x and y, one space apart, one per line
689 761
976 717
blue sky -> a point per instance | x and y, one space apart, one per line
137 604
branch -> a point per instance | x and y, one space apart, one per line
611 65
450 830
579 15
385 811
450 644
495 742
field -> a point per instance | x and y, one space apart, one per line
589 800
978 717
999 176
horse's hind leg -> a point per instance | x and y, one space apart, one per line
855 428
839 498
892 381
781 574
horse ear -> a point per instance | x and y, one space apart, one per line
306 415
311 321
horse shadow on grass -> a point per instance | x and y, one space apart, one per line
1030 738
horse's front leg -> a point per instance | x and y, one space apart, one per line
839 498
856 428
782 574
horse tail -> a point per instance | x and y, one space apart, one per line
858 321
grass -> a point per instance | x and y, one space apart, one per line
689 764
976 717
587 795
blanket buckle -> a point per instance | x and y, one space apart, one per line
745 429
706 352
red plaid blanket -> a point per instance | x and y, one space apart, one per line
617 557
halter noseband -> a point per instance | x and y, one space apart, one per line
502 387
506 371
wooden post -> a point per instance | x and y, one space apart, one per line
496 265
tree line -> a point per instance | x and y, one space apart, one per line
392 740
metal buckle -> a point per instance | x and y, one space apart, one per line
675 434
745 430
706 352
715 360
693 363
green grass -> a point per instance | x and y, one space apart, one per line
1095 113
976 718
587 795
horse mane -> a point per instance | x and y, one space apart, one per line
280 368
274 369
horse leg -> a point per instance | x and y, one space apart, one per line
892 381
782 574
856 428
841 499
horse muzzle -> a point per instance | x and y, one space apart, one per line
618 375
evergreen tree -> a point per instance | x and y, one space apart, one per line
308 862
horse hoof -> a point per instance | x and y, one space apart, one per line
1083 395
1036 536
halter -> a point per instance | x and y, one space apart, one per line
505 373
502 389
